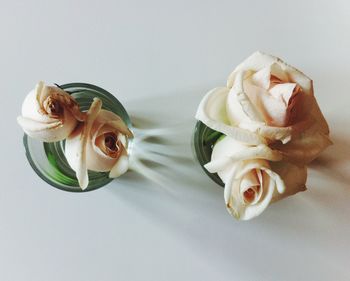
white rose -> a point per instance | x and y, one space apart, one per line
99 144
49 113
267 101
254 176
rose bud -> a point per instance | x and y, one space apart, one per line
254 176
98 145
49 114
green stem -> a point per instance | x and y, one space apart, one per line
213 137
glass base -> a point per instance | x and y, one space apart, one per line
48 159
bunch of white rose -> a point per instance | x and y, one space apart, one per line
95 140
273 127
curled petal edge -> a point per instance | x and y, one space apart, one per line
257 152
81 169
217 123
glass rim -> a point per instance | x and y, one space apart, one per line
51 182
201 130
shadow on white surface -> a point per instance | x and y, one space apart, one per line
180 198
335 160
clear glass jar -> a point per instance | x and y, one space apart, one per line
203 142
48 159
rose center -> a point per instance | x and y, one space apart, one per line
249 195
55 107
111 142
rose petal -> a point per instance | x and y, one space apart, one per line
121 166
76 145
122 139
35 126
240 108
106 122
236 206
264 166
31 107
300 115
228 151
48 131
254 62
284 134
110 118
318 116
212 112
66 100
73 146
252 182
97 160
262 78
38 124
277 71
294 178
305 148
283 92
272 110
220 157
259 60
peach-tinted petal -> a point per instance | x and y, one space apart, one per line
76 145
269 76
275 104
264 166
121 166
110 118
273 110
47 132
255 62
39 120
251 186
223 155
284 134
318 116
97 160
31 126
283 92
305 148
212 112
271 183
31 106
259 60
227 152
262 78
100 156
62 97
294 178
240 108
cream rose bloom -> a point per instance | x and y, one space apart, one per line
99 144
49 113
267 101
273 127
254 176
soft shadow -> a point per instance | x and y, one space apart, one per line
162 153
162 150
335 161
170 189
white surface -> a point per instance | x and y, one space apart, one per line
159 58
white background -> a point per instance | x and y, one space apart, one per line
159 58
